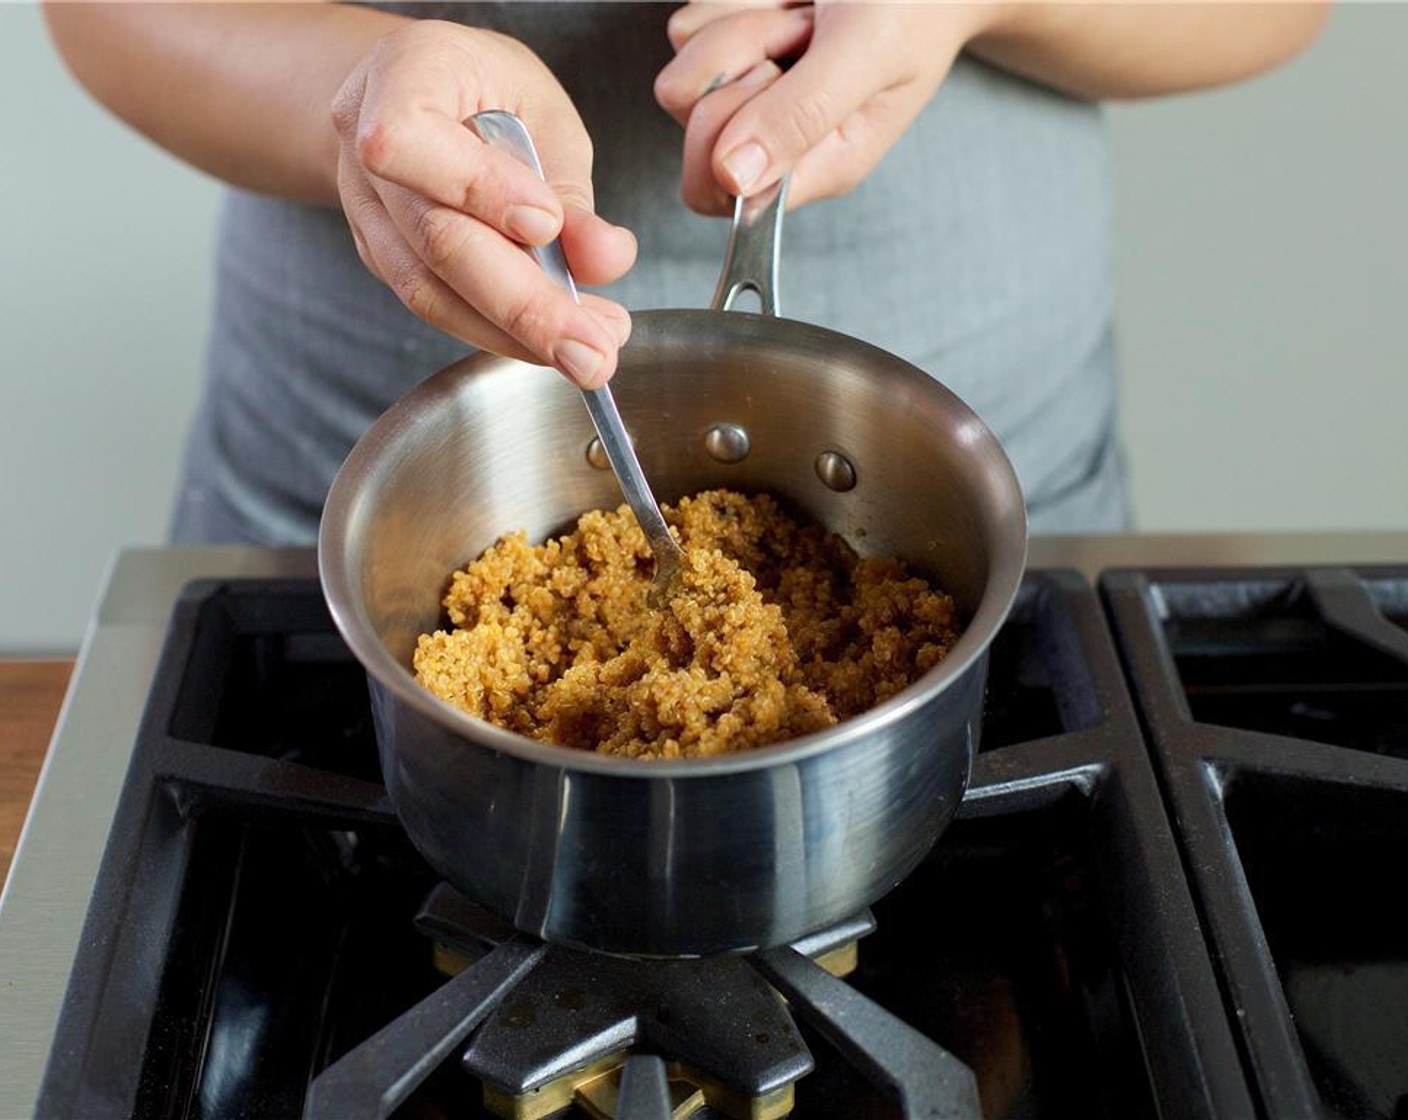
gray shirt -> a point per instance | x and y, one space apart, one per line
979 250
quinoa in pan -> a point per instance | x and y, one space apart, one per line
778 629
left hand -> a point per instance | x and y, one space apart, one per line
863 72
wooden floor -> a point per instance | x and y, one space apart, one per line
30 695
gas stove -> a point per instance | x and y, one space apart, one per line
1170 889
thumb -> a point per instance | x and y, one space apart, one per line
775 129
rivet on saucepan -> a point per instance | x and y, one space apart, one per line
835 471
728 443
596 454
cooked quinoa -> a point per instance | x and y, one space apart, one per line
777 629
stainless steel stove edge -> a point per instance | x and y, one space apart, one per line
46 896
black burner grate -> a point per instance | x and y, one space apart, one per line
254 920
533 1014
1276 703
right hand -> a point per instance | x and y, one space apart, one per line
442 218
862 73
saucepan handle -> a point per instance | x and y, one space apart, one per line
750 262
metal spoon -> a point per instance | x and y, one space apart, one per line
505 131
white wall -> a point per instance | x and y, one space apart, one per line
105 243
1263 290
1263 310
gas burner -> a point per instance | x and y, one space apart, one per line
546 1027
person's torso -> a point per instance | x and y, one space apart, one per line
979 250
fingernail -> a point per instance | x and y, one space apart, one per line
622 329
531 224
579 361
745 165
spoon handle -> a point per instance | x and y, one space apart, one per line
505 131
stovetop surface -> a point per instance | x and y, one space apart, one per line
1276 708
1080 952
278 896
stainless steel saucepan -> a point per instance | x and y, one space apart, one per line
696 856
